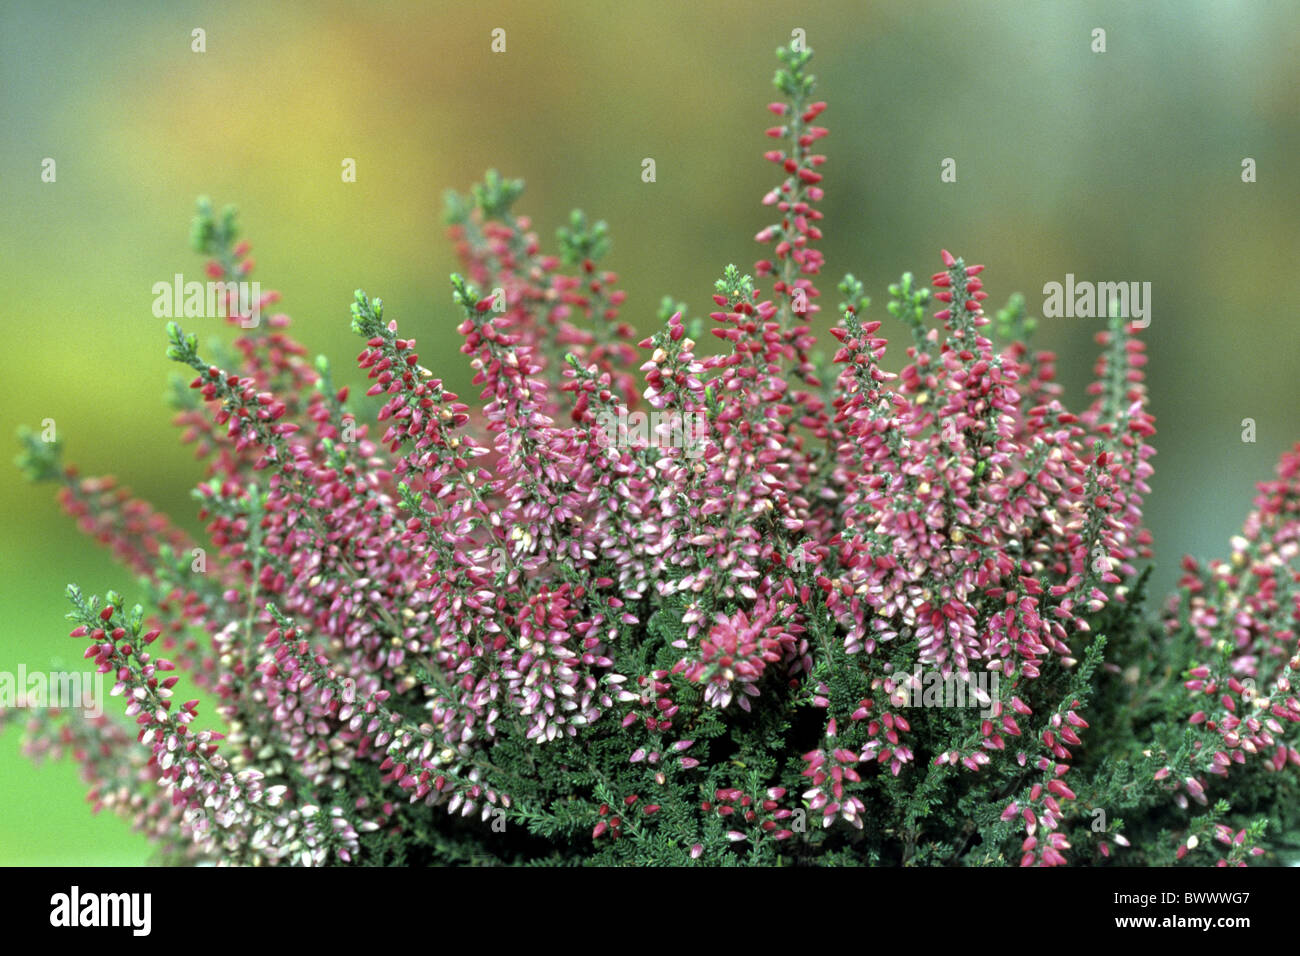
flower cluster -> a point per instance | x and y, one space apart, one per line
1244 614
492 616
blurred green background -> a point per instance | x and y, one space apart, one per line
1122 166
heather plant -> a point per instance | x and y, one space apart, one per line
814 612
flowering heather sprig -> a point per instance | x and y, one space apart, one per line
528 293
233 814
1244 616
493 633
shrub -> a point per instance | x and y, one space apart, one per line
750 606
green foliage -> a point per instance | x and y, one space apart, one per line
583 242
908 305
1014 324
39 460
792 79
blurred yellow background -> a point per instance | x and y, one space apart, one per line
1115 166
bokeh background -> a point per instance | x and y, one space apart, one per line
1117 166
